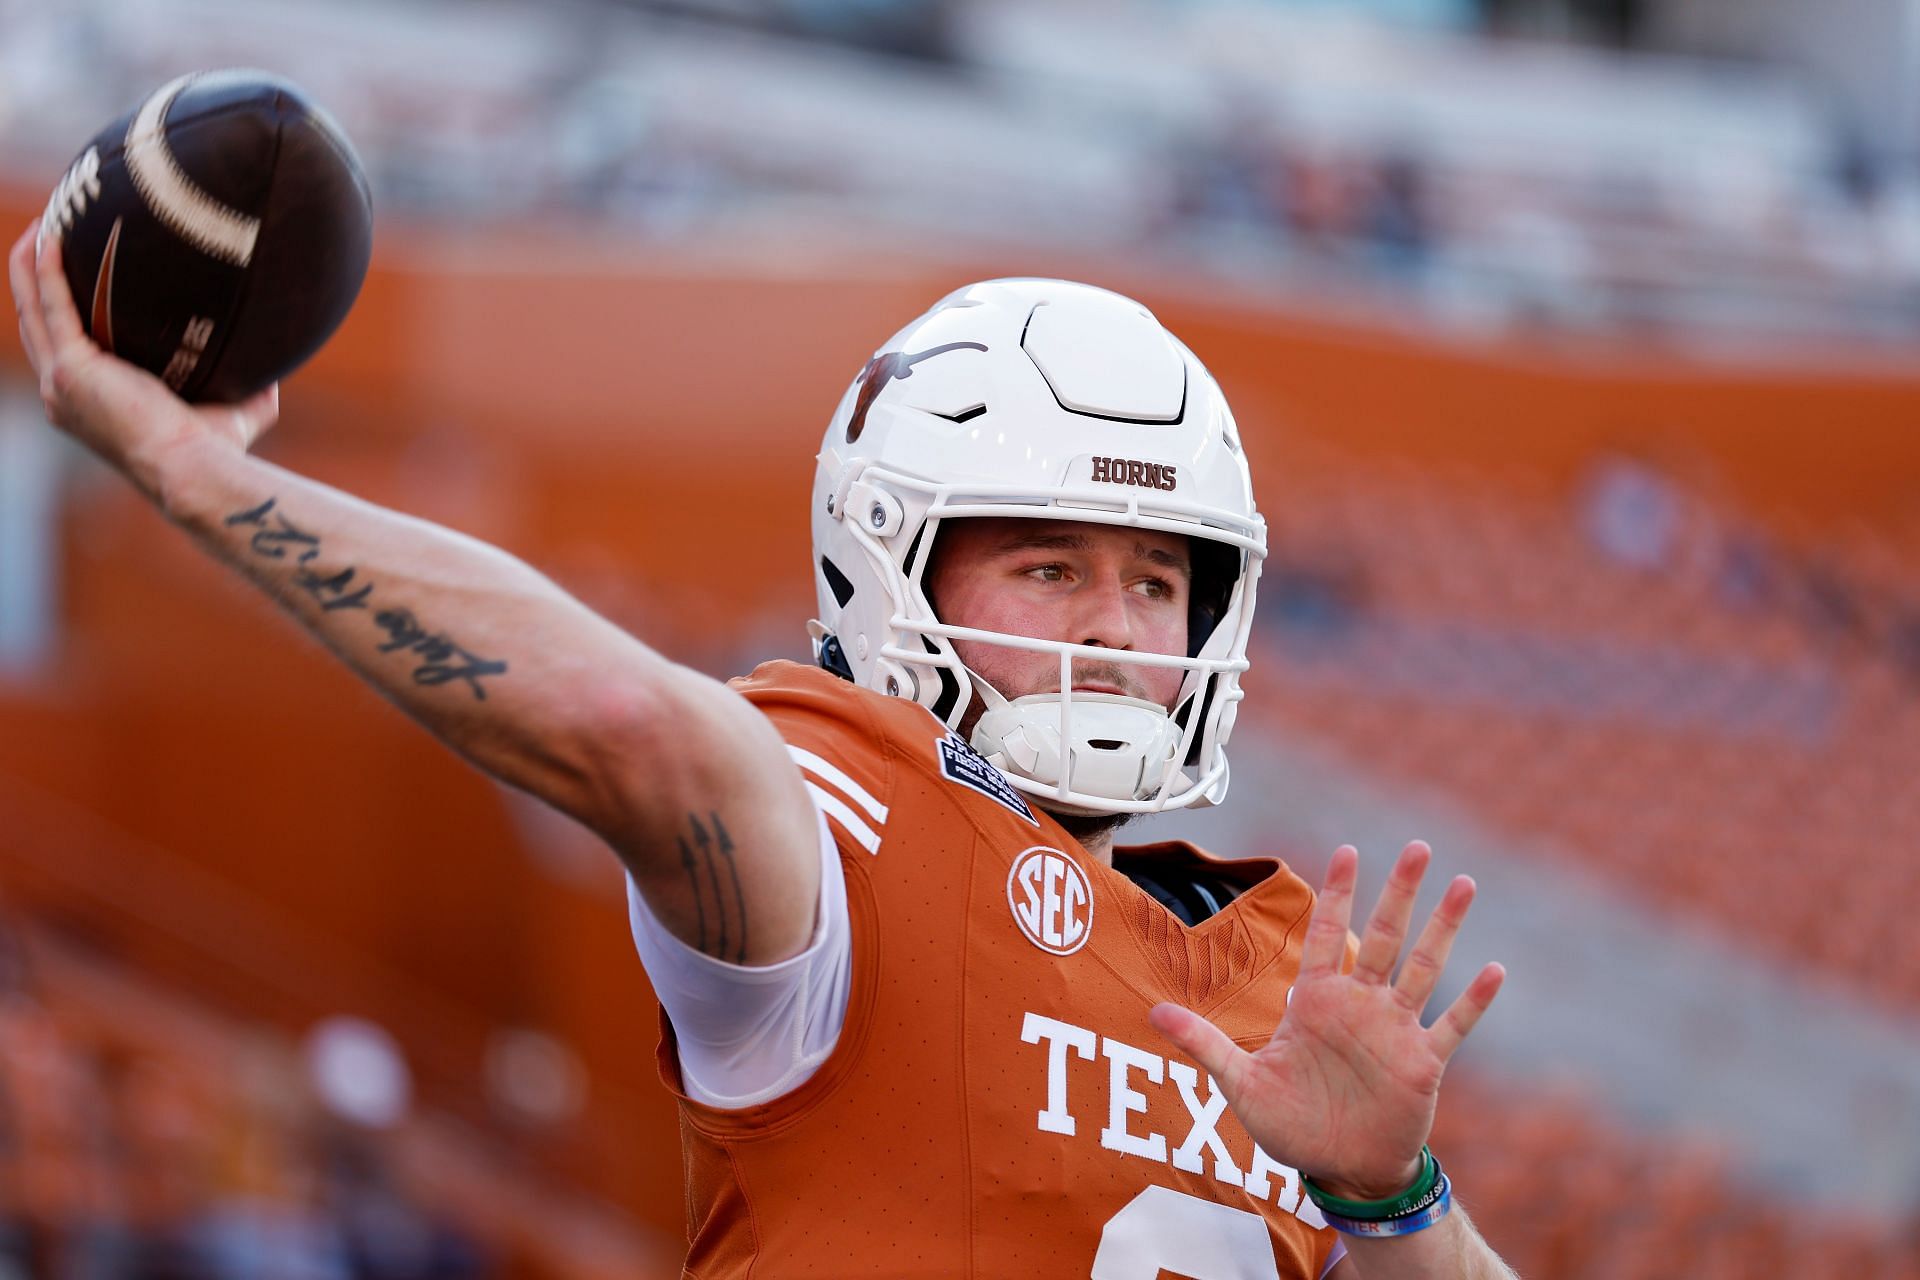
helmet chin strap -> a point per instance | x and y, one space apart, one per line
1104 745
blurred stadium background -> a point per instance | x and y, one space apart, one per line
1574 343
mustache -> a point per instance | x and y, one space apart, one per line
1118 675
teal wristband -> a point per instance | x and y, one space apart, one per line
1412 1200
1440 1204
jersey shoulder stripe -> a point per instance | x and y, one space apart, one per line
835 777
843 742
883 769
836 809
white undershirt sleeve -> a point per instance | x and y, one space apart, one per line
748 1035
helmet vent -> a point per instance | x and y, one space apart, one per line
837 582
913 551
1105 744
949 687
965 415
1106 358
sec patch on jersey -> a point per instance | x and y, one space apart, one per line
217 234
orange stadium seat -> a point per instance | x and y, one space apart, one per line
128 1114
1706 747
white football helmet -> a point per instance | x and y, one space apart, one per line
1058 401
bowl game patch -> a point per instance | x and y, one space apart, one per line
962 764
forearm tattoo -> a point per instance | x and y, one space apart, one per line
441 660
719 906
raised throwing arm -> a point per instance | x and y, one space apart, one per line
684 779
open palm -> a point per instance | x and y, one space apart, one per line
1345 1089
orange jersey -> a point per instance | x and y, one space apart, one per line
997 1104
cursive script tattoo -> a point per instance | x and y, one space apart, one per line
332 591
715 879
443 659
272 541
275 538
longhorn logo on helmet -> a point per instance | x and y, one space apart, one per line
884 368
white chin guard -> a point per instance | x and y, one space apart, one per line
1121 748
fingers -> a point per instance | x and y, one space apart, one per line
56 299
26 300
1326 944
1200 1040
1465 1011
1429 957
1387 927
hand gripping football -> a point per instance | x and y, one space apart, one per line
217 234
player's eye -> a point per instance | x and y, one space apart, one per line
1048 572
1159 588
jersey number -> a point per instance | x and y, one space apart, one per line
1163 1229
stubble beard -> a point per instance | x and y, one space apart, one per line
1088 827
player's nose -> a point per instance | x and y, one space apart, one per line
1103 618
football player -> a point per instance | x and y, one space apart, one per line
923 1018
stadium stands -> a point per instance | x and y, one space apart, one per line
1476 185
1721 726
1565 1194
144 1135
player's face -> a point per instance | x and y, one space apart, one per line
1093 584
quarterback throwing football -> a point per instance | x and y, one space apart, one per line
901 962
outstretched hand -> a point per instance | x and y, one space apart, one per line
121 412
1345 1089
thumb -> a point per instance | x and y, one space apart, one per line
255 416
1200 1040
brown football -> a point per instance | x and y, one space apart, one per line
217 234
